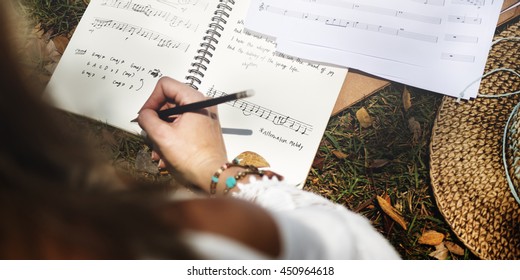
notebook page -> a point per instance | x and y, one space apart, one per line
119 51
285 120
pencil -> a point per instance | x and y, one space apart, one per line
164 114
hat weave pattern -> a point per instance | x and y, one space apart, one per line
466 168
512 152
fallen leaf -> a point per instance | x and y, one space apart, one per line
407 99
415 128
52 52
318 162
50 47
60 43
440 253
252 158
454 248
365 120
391 212
377 163
339 154
431 237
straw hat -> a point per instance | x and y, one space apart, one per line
466 159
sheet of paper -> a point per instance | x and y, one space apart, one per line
285 120
119 51
441 45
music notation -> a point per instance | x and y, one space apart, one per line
184 5
171 18
378 10
464 19
130 30
431 2
461 38
115 71
250 109
401 32
469 2
456 2
458 57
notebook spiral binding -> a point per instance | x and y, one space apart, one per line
210 40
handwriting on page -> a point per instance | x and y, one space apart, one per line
173 18
258 49
129 31
179 6
184 5
251 109
115 71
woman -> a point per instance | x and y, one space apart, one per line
58 200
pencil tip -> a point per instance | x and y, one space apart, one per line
246 93
134 120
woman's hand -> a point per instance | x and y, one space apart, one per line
191 145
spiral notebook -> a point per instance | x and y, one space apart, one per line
121 48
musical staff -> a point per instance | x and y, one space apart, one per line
469 2
461 38
345 23
251 109
458 57
379 10
431 2
130 30
173 19
464 19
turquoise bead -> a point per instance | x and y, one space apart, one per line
231 182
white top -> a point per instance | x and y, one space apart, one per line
310 227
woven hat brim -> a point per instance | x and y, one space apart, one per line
466 168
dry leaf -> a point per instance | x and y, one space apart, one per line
52 52
252 158
440 253
60 43
407 99
365 120
431 237
377 163
318 162
454 248
415 128
391 212
339 154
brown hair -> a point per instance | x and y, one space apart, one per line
53 201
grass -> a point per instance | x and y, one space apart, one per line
57 16
353 165
389 159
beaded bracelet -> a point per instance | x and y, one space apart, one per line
231 181
216 175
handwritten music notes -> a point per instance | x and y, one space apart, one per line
250 109
128 30
438 45
119 51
